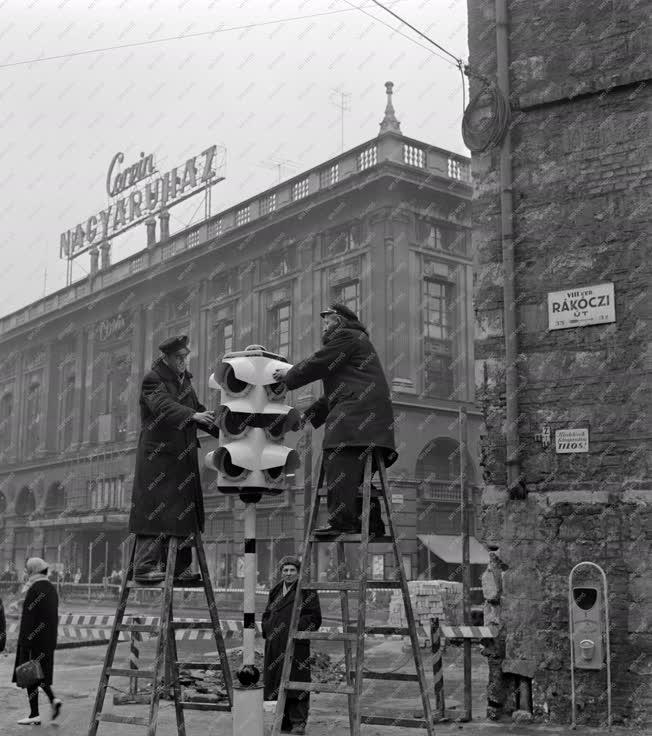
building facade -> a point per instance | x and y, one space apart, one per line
577 77
383 228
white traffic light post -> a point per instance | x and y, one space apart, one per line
251 461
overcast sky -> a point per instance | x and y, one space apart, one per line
265 93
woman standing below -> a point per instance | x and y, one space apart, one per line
37 638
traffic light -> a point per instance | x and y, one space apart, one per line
253 419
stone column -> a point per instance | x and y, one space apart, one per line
105 250
78 401
400 292
150 224
88 386
164 217
245 310
374 285
95 257
49 403
16 419
137 371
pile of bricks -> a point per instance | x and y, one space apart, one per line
440 599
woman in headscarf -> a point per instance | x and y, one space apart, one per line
37 637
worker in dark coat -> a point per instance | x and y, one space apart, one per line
167 497
3 628
357 410
37 636
275 625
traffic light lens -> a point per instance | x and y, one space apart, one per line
276 391
234 385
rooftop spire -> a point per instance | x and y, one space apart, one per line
389 123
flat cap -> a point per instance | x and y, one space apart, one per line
341 310
172 344
290 560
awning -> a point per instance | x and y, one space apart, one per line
449 548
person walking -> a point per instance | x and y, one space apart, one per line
37 636
275 624
357 410
167 496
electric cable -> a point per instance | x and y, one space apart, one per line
481 131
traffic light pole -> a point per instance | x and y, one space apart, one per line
248 694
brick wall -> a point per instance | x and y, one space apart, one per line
581 171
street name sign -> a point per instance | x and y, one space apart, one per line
586 305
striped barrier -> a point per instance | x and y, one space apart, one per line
78 627
437 673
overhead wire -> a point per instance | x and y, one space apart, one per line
181 36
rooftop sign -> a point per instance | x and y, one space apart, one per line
142 202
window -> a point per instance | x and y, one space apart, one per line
300 189
107 493
242 216
117 397
329 176
278 263
438 374
367 158
377 567
429 235
215 228
66 406
407 566
268 204
224 336
33 416
341 240
280 329
348 294
192 239
6 411
414 156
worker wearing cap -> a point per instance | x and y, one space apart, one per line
357 412
167 497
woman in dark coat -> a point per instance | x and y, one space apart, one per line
275 625
357 410
167 497
37 637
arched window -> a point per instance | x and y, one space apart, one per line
25 503
67 410
6 412
439 460
55 500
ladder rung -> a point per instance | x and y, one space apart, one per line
348 539
375 493
117 672
351 585
386 630
114 718
325 636
321 687
207 625
200 665
399 676
205 706
393 721
151 628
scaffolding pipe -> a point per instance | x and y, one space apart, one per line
507 240
466 562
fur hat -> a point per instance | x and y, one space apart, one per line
341 310
290 560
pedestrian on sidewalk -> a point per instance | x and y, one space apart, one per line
37 636
357 410
275 625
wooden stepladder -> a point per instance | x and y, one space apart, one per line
353 634
166 647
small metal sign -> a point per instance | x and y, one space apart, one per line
571 440
587 305
397 498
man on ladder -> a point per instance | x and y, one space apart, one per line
167 496
357 410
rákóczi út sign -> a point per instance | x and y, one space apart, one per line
587 305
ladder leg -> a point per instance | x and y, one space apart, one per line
416 652
304 577
113 643
161 644
174 668
346 624
215 619
362 597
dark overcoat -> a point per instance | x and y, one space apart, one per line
167 496
275 626
356 406
3 628
39 622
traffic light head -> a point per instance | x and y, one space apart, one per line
253 419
